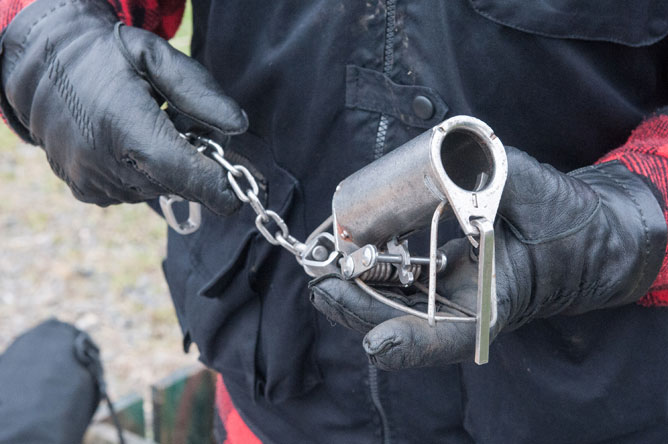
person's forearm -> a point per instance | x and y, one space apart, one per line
162 18
646 153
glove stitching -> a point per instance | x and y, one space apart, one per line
512 276
580 171
342 308
56 73
558 236
227 192
141 73
53 9
150 178
61 173
11 61
643 220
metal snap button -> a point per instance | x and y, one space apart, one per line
423 107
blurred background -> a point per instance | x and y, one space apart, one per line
98 268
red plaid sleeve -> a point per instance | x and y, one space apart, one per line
162 17
646 153
9 8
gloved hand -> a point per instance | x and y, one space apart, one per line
89 90
565 243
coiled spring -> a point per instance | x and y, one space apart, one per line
386 273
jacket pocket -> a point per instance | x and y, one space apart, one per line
373 91
630 23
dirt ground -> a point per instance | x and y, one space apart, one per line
98 268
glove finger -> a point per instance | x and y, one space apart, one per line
346 304
121 181
409 342
123 194
186 85
170 163
90 192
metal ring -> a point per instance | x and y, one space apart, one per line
235 185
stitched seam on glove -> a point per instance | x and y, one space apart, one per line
46 14
643 219
227 192
342 308
56 73
61 173
10 60
555 237
150 178
646 153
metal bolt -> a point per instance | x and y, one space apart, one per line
441 262
345 235
348 267
367 256
320 253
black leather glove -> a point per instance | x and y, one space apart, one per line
89 90
565 244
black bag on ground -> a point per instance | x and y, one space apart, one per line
49 386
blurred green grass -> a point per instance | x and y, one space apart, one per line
181 39
8 140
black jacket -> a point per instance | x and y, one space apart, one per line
329 86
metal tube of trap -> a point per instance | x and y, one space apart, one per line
460 161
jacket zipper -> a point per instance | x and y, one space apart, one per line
379 150
375 398
388 62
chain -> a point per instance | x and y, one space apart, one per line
281 237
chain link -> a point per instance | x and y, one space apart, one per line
243 196
250 196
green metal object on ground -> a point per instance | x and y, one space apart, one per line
183 407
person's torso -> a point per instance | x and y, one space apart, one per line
331 86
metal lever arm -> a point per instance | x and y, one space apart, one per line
486 301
